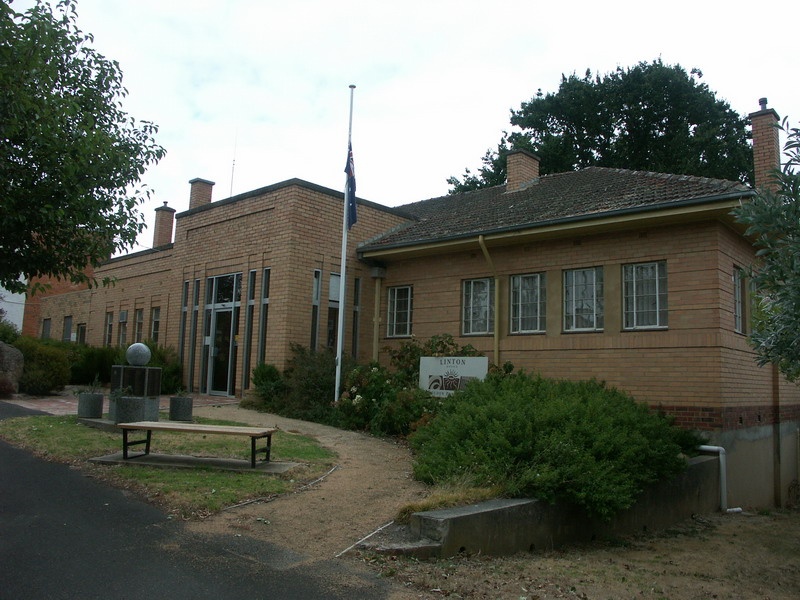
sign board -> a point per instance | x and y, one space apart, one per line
443 375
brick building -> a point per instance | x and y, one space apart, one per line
633 278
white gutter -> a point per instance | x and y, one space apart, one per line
723 477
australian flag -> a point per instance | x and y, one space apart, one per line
350 193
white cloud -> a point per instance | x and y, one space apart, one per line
436 78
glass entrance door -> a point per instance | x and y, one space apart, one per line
220 333
221 353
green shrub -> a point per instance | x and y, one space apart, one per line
366 387
405 359
269 389
90 362
166 358
8 331
403 413
578 442
46 368
374 400
310 379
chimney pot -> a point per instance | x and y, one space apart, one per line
766 145
522 167
200 193
162 233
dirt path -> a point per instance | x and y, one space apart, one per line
713 556
370 482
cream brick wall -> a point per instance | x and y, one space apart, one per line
698 368
290 229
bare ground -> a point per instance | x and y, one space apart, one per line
716 556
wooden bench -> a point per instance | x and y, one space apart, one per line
254 433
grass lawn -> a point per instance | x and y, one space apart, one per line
188 493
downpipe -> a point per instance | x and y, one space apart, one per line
723 477
490 262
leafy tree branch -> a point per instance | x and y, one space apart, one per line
70 158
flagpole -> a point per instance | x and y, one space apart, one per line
343 276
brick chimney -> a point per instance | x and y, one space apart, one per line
201 192
522 167
766 146
162 233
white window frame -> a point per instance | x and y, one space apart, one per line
583 300
636 277
537 284
398 319
477 312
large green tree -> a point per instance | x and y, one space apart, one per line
650 117
70 158
773 221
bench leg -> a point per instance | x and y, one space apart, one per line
267 450
126 444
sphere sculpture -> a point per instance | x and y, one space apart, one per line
138 354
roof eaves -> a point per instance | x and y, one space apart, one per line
365 248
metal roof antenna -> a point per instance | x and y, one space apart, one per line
233 163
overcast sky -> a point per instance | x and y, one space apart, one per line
248 93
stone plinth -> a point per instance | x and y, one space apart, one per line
136 381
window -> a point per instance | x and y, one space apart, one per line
138 324
398 323
739 300
316 288
333 311
155 322
193 334
109 328
262 336
45 329
528 298
644 288
478 306
583 299
122 334
356 315
184 317
248 327
66 332
80 333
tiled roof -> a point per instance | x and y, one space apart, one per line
588 193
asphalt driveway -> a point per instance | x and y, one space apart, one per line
62 535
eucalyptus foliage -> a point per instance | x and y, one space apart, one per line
649 117
772 218
70 158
